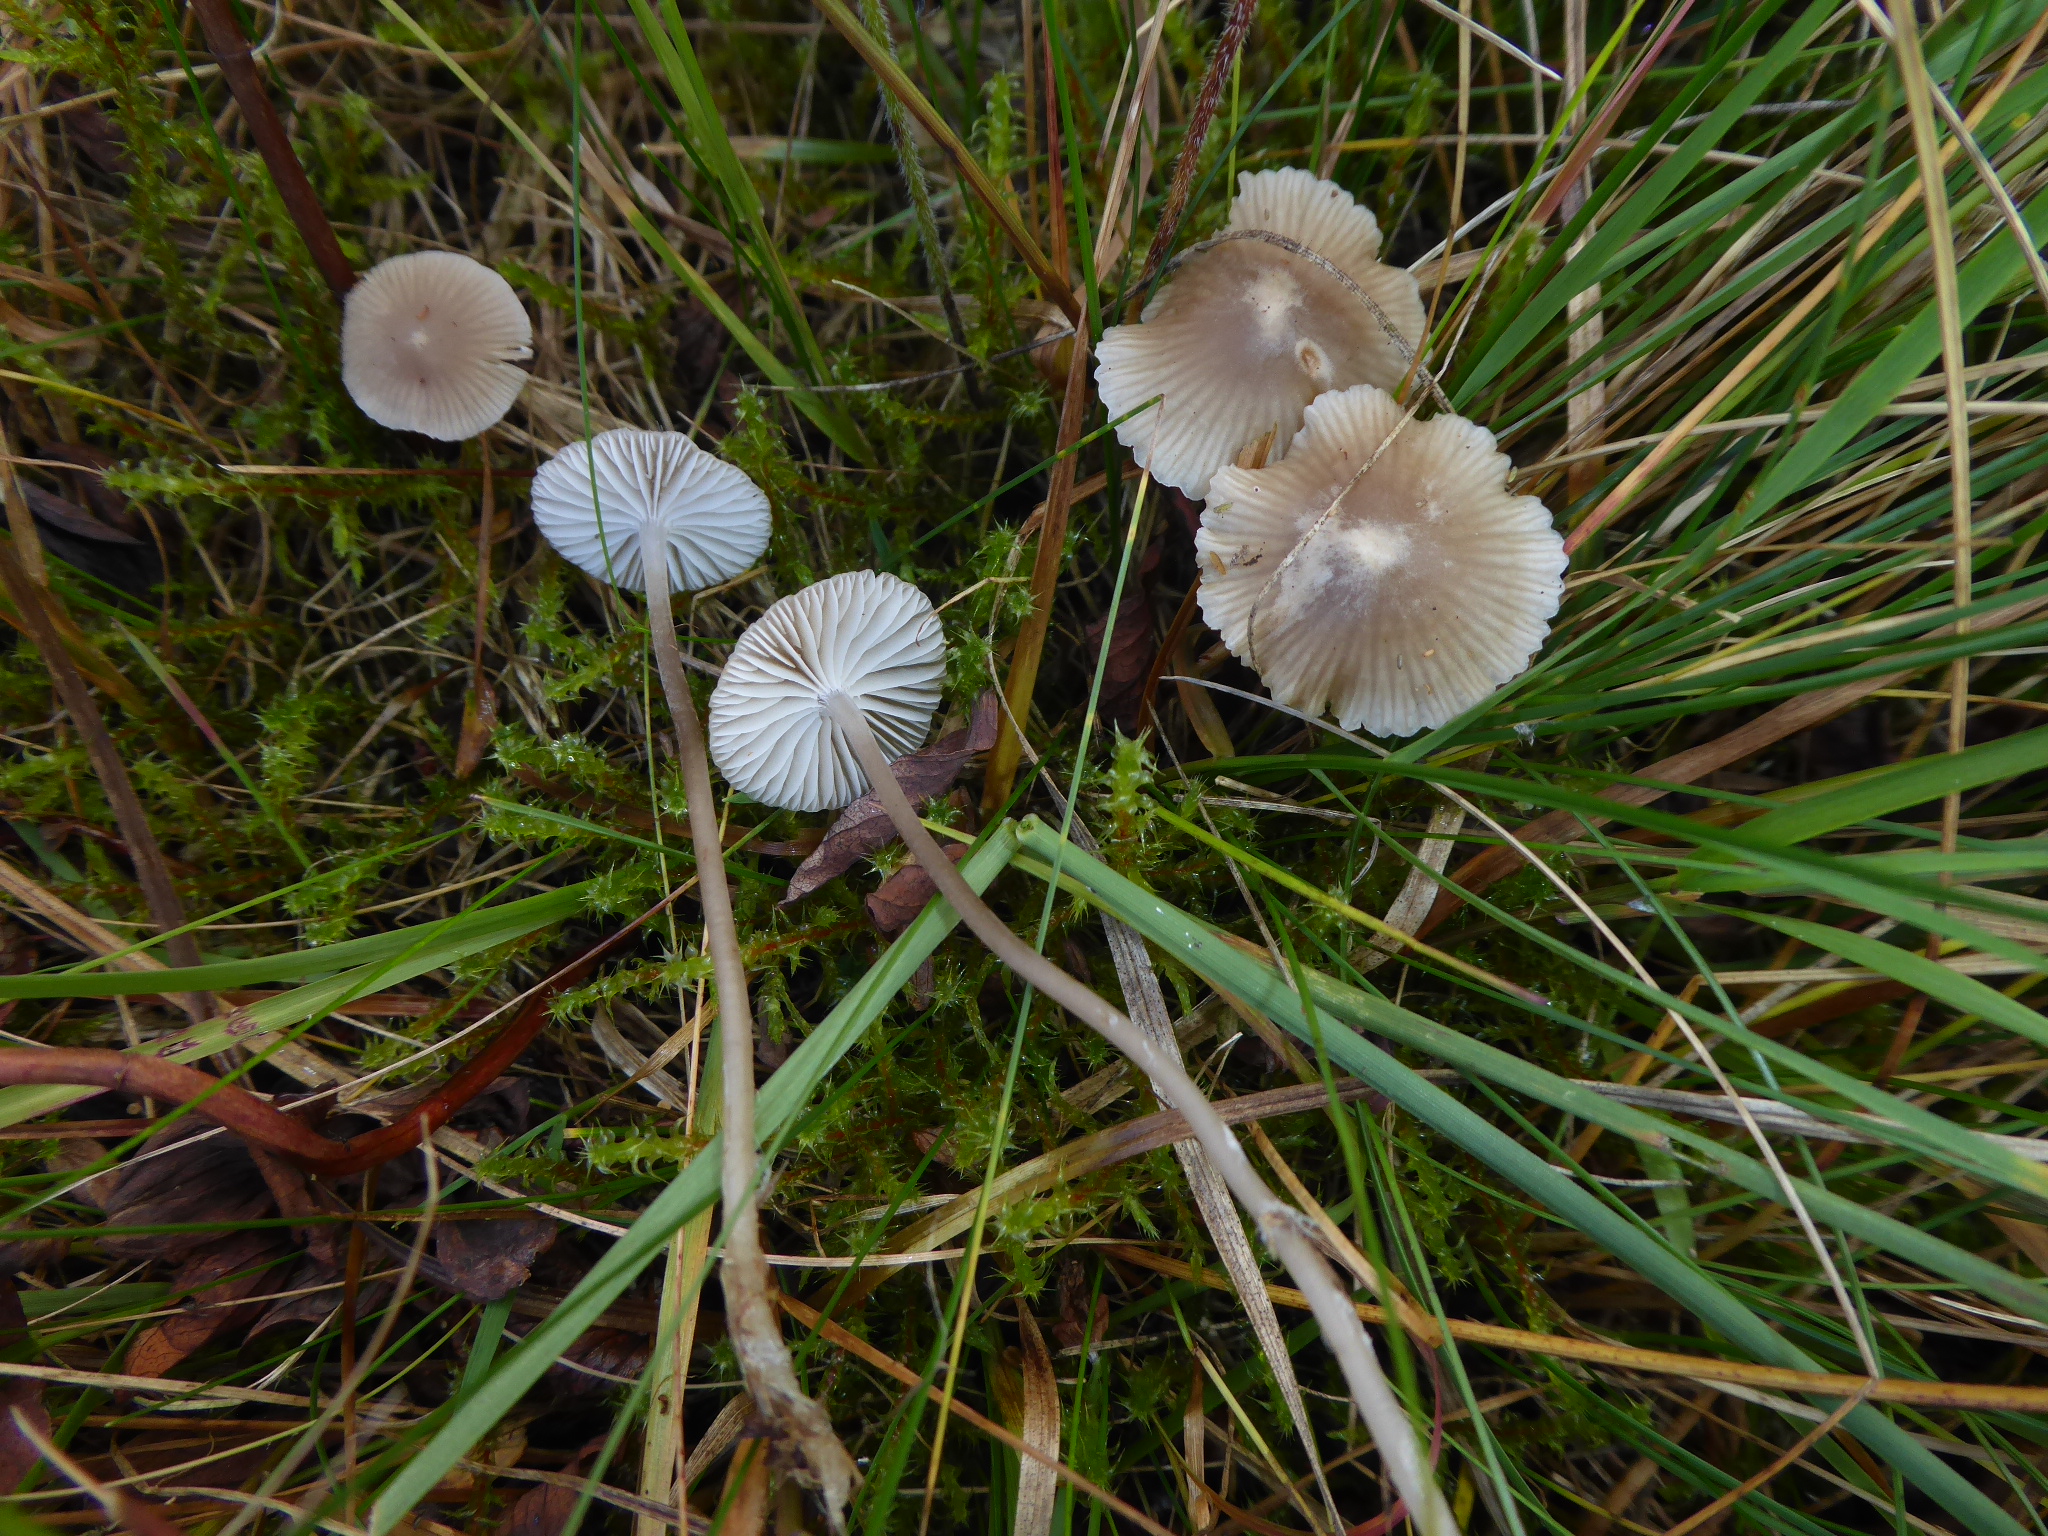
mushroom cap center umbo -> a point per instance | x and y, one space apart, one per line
1382 569
1277 315
1380 538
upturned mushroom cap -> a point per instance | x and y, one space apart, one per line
428 344
1248 332
874 638
1425 588
594 501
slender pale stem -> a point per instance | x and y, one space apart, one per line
752 1321
1283 1229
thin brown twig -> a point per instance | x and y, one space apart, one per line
230 51
1029 647
257 1121
1222 58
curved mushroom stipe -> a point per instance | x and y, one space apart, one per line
753 1326
256 1121
1284 1230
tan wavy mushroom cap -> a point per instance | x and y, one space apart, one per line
1247 333
874 638
1424 590
429 342
594 501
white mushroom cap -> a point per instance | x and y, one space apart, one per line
594 501
874 638
1425 588
1247 332
428 344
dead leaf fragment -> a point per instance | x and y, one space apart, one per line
895 904
489 1260
863 828
17 1394
218 1280
1037 1483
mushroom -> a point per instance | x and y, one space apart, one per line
869 637
798 719
653 510
429 344
1291 301
1381 570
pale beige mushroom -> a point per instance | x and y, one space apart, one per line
430 343
1381 571
1290 302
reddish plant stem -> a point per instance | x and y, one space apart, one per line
1236 27
230 50
256 1121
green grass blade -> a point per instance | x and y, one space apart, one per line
781 1099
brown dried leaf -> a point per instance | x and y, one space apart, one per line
1132 647
479 720
295 1313
203 1178
896 903
864 828
488 1260
541 1511
68 516
17 1394
219 1279
1037 1483
599 1361
1079 1327
544 1510
88 482
95 134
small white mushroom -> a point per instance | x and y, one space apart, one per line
1248 331
870 637
654 511
817 680
430 344
623 498
1382 570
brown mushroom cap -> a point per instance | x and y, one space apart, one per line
1248 332
1397 598
429 342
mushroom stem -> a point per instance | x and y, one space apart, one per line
752 1321
1285 1231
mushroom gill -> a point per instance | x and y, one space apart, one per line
1382 571
1291 301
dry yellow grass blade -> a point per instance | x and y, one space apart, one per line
1655 1362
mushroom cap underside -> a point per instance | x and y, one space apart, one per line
1244 336
594 501
871 636
1317 213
